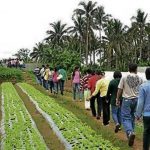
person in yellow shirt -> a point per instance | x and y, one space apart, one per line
46 77
102 87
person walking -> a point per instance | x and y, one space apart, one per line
42 73
63 77
76 83
128 88
143 106
37 74
51 84
46 77
87 92
81 89
111 96
55 80
102 87
91 85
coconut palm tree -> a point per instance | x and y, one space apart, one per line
139 23
78 30
38 51
115 37
100 19
23 53
57 34
87 11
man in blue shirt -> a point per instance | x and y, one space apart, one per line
144 107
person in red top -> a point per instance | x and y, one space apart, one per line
91 85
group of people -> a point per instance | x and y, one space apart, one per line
15 63
128 97
50 78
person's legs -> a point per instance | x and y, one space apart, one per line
46 84
61 86
127 118
133 110
119 115
37 80
115 117
114 110
99 105
74 91
86 96
81 95
51 86
78 90
146 133
105 111
55 87
92 105
62 90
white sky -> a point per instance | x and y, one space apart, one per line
24 22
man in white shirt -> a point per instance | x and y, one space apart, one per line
129 88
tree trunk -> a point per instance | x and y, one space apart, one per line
94 56
100 58
87 42
100 47
81 49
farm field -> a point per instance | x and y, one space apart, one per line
53 122
81 82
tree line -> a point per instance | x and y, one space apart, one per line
95 35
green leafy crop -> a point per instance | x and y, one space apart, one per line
19 130
77 133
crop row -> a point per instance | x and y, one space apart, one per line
77 133
17 127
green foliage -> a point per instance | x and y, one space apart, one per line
96 35
69 59
23 54
143 63
10 74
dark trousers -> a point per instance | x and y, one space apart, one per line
45 84
51 85
99 105
106 110
146 133
61 84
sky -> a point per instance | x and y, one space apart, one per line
23 23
